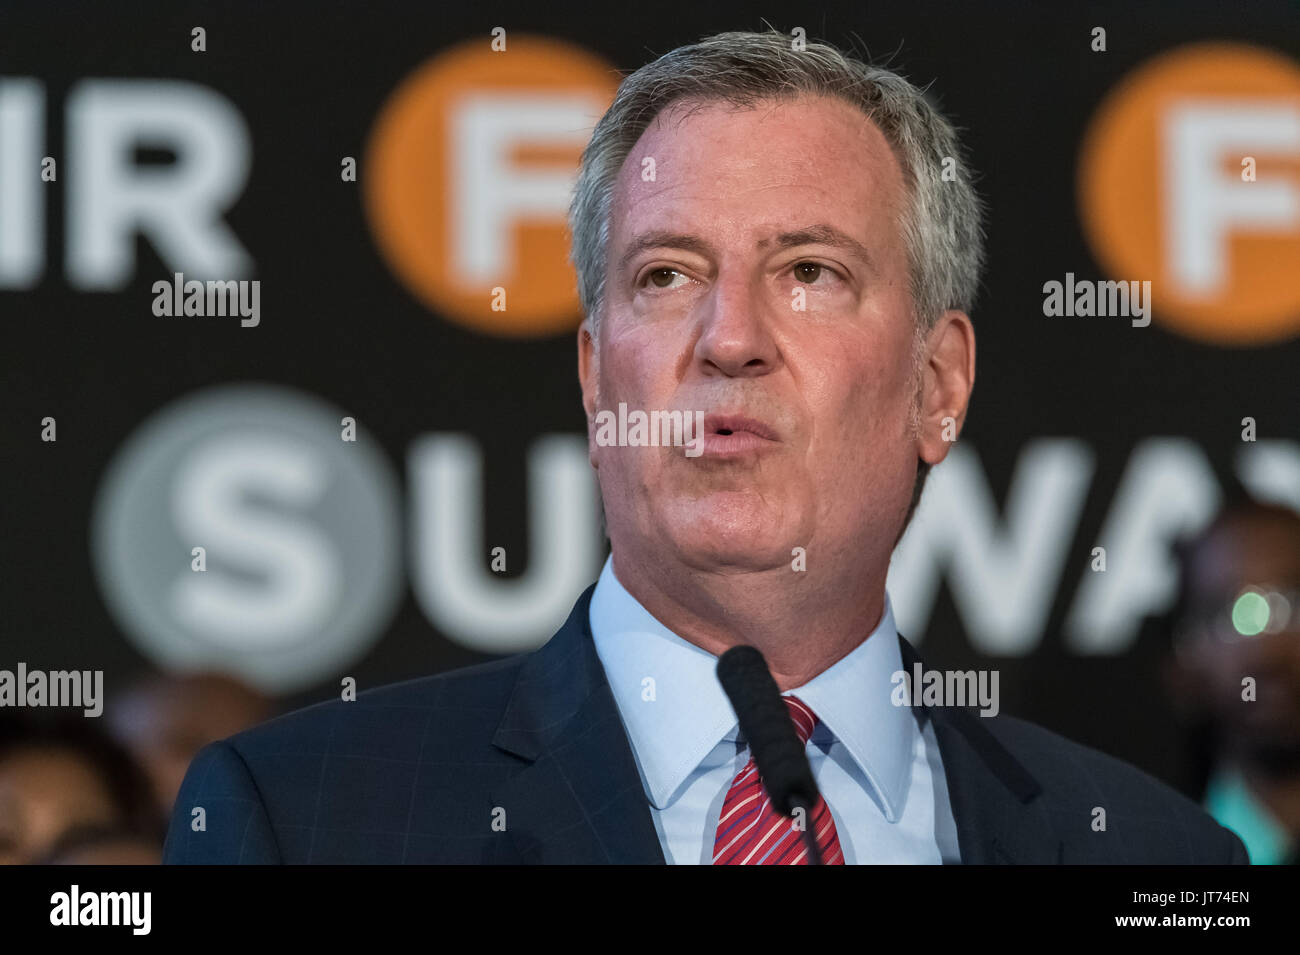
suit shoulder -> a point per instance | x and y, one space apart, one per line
467 702
1062 765
1077 780
339 781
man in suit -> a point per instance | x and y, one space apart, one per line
765 237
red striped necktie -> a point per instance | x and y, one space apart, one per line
751 832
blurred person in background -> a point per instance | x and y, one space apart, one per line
1238 616
164 720
69 793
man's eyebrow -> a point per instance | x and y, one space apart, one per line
814 234
661 239
824 235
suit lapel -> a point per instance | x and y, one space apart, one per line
580 800
996 803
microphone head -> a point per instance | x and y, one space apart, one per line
765 720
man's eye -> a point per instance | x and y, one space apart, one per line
810 272
661 278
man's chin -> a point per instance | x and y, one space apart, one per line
731 547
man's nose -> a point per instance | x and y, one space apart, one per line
735 329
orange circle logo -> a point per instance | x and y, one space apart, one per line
468 175
1190 178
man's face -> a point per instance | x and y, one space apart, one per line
760 273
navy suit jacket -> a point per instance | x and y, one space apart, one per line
525 760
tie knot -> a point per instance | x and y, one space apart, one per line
804 718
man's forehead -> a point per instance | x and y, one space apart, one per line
791 153
700 132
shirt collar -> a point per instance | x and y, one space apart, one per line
676 712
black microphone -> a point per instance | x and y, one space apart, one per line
773 741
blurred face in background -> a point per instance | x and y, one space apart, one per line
762 273
1248 551
43 794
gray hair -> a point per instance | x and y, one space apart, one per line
941 223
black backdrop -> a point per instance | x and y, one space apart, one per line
337 324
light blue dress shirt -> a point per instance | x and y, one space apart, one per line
881 775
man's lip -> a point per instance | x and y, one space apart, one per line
717 423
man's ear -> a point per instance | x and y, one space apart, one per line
587 378
947 378
587 368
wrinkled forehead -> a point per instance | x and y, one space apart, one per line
796 157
